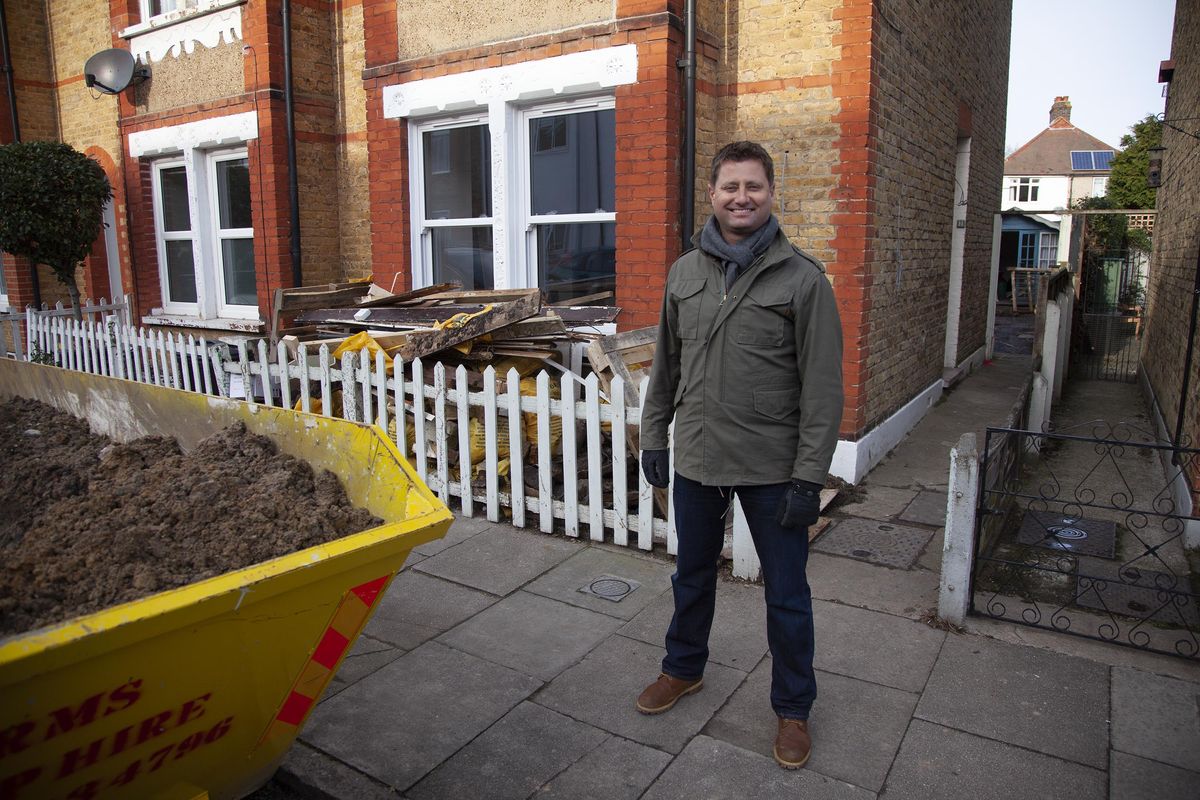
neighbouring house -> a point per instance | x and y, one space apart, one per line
520 143
1045 176
1170 360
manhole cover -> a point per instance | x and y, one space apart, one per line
610 587
877 542
1092 537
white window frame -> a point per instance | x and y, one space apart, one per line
527 253
502 94
162 236
219 235
201 170
194 144
1030 185
1100 186
423 225
1047 255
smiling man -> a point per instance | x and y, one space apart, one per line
748 364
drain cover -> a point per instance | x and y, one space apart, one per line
1093 537
610 587
883 543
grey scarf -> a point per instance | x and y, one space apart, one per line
739 256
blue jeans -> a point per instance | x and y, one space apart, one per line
700 515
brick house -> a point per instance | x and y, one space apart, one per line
514 143
1170 377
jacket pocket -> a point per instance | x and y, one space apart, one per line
777 403
687 297
765 316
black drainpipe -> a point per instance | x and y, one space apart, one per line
289 96
16 129
688 221
8 74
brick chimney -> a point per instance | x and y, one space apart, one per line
1060 112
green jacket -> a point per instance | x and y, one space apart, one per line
752 380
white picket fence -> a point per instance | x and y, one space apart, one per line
441 435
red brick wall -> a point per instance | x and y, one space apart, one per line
647 122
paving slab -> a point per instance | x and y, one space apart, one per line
511 759
845 710
873 646
564 581
938 763
1156 717
616 770
310 772
398 723
877 502
907 593
739 633
532 634
500 560
928 508
419 607
366 656
886 543
742 774
931 556
460 530
1134 778
1042 701
602 689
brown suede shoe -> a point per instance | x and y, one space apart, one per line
793 745
661 695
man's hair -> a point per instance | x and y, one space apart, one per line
743 151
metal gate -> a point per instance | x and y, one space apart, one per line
1068 539
1108 333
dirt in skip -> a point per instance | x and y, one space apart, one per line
87 523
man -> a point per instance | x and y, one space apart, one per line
748 363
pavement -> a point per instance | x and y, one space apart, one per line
489 671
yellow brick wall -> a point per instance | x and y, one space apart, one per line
29 43
433 26
354 211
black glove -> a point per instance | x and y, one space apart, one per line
800 505
656 464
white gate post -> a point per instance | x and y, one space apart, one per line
745 558
958 548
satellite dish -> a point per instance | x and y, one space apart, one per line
112 70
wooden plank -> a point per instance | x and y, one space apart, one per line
628 355
404 298
422 343
585 315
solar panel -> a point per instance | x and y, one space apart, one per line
1081 159
1101 159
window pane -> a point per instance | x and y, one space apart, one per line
173 183
573 163
458 173
233 194
237 262
578 260
463 255
181 272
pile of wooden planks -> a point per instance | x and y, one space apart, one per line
468 326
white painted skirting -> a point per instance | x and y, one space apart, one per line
853 460
1179 489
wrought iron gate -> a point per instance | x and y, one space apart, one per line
1108 334
1068 539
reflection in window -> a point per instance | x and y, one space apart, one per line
580 176
463 255
578 261
458 185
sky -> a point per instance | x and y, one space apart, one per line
1103 54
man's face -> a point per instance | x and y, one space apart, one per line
741 198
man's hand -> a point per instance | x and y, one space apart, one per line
656 464
800 505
